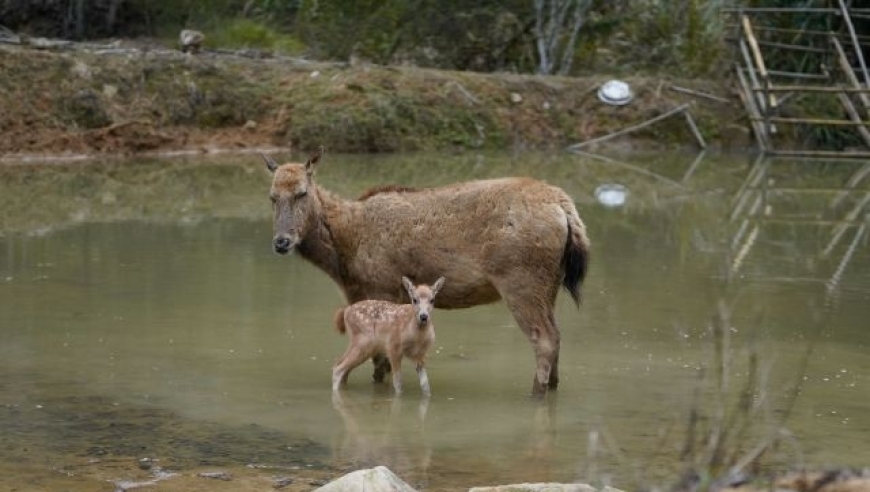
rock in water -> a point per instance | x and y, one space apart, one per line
377 479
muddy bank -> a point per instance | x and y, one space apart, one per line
133 98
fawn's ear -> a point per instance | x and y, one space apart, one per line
409 286
437 286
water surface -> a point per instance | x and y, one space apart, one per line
143 314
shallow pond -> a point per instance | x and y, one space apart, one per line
144 315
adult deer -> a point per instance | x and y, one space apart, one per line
515 239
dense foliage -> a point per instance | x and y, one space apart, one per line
527 36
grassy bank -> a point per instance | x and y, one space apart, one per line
135 98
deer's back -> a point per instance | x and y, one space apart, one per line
466 232
376 318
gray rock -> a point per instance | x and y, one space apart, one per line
216 475
377 479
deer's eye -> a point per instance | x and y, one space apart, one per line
273 199
301 193
414 301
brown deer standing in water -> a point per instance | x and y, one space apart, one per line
515 239
397 330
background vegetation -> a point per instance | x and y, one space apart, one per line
359 73
525 36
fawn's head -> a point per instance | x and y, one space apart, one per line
422 298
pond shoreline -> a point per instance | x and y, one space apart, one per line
130 97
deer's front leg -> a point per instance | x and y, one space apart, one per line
396 364
424 378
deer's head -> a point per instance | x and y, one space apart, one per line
423 298
295 209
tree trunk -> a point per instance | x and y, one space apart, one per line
112 15
556 33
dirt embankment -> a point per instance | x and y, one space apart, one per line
126 98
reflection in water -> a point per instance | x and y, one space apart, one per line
150 291
379 431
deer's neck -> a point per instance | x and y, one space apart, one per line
322 244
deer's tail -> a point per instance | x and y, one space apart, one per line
338 319
575 258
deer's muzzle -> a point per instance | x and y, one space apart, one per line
283 243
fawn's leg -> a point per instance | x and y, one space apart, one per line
351 359
423 377
396 365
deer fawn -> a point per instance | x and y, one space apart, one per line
384 328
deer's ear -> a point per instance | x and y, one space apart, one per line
437 286
271 165
312 161
409 286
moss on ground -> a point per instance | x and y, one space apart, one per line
85 102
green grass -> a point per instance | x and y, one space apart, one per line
248 33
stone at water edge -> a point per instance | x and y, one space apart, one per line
377 479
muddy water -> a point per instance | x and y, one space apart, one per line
143 315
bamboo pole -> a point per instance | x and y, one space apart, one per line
692 126
834 282
813 121
762 69
699 94
853 115
796 75
858 51
743 252
818 154
693 166
630 129
750 184
759 102
785 189
738 237
841 228
799 32
804 221
788 46
849 73
810 88
791 10
749 103
626 165
757 165
856 178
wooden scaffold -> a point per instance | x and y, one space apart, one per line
834 66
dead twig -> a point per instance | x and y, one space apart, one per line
468 95
677 110
698 94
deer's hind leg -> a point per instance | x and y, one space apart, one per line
553 383
382 367
533 311
352 358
